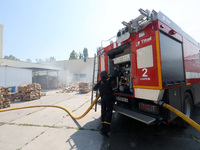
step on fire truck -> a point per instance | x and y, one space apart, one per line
157 61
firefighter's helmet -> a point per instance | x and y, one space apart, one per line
103 74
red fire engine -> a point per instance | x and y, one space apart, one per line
157 61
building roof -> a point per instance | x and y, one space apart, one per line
27 65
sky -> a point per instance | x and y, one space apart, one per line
40 29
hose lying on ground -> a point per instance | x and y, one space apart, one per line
180 114
177 112
85 113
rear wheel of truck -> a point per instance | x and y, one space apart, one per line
187 108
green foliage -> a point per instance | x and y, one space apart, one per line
50 59
73 55
28 60
39 61
80 55
85 53
11 57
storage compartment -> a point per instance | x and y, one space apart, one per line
172 61
122 61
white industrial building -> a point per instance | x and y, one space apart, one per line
49 74
15 73
11 76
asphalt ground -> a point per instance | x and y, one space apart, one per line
52 128
129 134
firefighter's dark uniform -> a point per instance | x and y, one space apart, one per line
105 89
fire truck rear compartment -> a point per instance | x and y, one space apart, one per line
173 72
139 109
120 58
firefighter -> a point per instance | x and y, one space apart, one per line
105 89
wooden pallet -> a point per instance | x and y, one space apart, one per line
5 95
84 87
29 91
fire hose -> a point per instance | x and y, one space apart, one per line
180 114
174 110
69 112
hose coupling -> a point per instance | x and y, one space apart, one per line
161 103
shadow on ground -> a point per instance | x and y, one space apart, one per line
88 137
130 134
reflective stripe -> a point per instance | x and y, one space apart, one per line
108 78
106 122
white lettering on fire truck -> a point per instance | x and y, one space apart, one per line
137 43
145 72
143 41
145 79
166 19
144 75
146 40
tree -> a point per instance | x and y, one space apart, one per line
11 57
85 54
80 55
46 60
73 55
28 60
39 60
50 59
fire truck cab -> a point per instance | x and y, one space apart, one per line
157 61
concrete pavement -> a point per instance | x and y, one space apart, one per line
52 128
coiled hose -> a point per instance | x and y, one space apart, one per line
69 112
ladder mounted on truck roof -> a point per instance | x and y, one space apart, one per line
140 22
137 24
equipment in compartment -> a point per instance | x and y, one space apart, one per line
124 79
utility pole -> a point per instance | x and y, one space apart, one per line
1 41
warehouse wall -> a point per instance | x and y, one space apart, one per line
74 70
10 76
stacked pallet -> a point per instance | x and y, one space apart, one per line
29 91
70 88
84 87
5 97
81 87
13 96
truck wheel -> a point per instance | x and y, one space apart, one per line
187 108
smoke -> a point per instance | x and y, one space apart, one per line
77 71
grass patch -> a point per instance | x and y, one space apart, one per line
2 123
